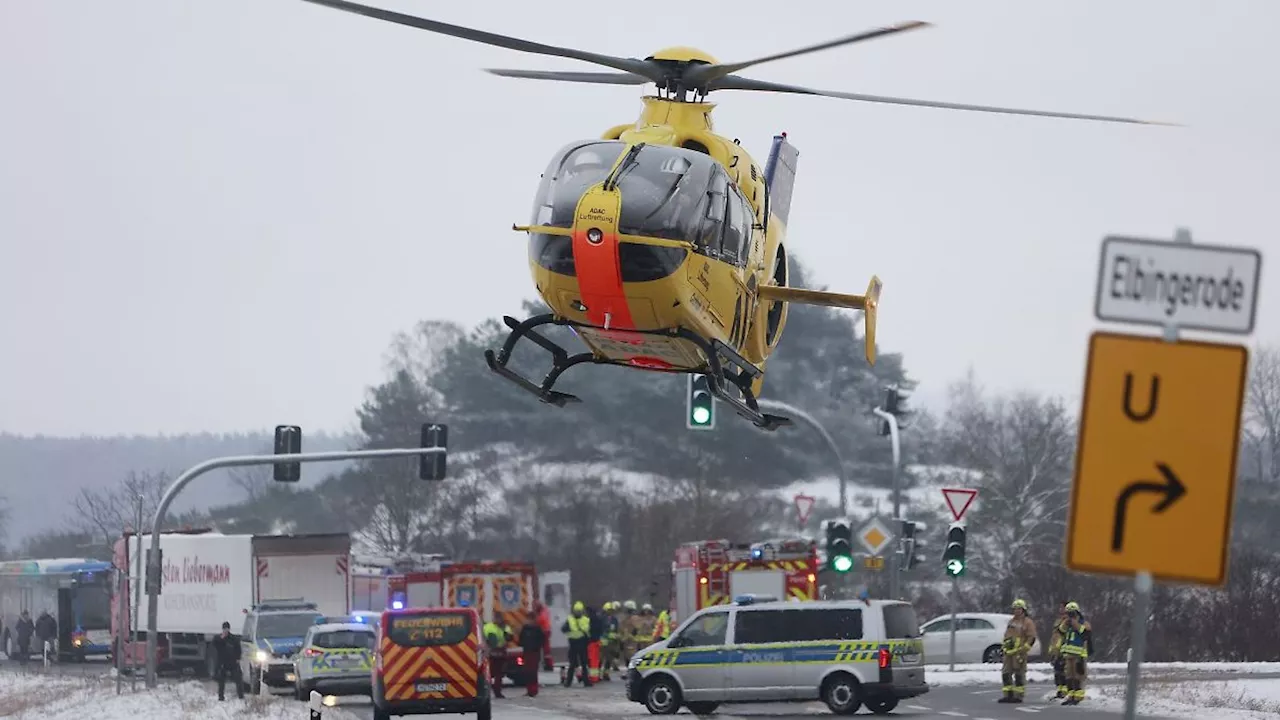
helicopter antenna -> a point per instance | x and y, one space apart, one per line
677 79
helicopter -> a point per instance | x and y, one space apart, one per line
661 244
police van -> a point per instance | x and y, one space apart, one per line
845 653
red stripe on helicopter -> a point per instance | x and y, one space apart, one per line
600 283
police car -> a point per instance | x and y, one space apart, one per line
847 654
273 632
336 659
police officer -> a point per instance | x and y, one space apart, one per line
226 653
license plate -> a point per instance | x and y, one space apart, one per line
910 658
430 686
346 661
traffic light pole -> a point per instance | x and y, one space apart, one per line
895 561
812 422
153 562
955 594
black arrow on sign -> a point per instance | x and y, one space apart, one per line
1172 489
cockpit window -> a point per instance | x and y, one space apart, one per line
572 170
664 193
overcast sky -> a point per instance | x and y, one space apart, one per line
214 214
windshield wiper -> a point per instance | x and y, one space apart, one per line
611 182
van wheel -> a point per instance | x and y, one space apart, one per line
661 696
993 654
702 708
380 714
882 705
486 711
840 693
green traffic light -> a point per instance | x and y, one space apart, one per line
842 563
701 415
955 567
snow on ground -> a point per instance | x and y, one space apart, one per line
1220 699
32 695
980 674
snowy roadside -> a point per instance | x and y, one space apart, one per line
1229 699
988 674
30 696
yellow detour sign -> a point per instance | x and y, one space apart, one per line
1156 465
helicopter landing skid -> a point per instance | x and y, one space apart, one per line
720 377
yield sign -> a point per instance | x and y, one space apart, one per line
960 498
804 504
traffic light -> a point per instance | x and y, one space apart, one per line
839 546
701 404
432 466
288 442
953 561
895 403
911 544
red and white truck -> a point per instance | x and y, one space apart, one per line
713 572
209 578
501 591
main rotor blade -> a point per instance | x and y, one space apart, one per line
601 78
632 65
740 83
705 75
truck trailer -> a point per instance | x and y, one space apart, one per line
208 578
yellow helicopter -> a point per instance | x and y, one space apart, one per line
662 244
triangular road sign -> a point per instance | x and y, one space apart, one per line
804 504
960 498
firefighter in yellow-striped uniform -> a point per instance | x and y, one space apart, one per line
630 627
1077 646
612 641
1019 636
1055 651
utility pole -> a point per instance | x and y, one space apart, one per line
137 599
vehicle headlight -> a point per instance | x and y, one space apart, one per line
635 660
262 656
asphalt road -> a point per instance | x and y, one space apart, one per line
605 701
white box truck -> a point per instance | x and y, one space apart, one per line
209 578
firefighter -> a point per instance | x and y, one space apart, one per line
1077 646
662 628
611 638
577 629
1019 636
1055 651
647 623
630 631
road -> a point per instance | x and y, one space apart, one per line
606 701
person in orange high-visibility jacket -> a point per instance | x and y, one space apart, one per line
662 628
544 621
595 632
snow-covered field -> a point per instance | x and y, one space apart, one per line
28 696
1253 699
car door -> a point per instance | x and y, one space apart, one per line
700 656
759 667
936 635
973 636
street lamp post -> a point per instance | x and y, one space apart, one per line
812 422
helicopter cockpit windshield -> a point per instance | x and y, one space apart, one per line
665 190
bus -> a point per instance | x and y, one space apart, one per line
77 592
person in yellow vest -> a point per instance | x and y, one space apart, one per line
662 628
496 637
578 631
612 638
1077 646
1019 636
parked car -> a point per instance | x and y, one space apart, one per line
978 637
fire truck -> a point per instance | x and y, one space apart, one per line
713 572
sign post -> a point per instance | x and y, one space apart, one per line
1160 420
958 501
804 505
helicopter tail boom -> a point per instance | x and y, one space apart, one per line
867 303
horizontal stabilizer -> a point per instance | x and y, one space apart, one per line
866 303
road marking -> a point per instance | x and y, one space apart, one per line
979 692
952 713
919 707
1030 710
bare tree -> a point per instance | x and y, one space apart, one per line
1022 447
256 480
104 514
1261 441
